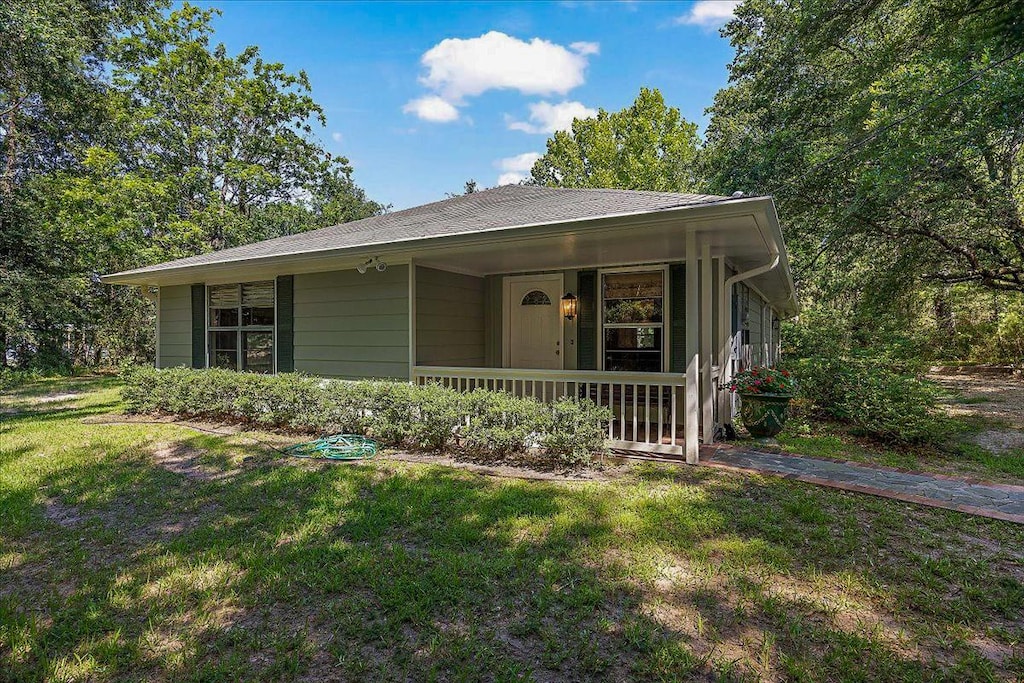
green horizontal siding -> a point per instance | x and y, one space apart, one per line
449 318
175 342
352 325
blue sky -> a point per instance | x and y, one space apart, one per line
423 96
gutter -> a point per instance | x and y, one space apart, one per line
726 331
773 251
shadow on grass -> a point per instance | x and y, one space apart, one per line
386 572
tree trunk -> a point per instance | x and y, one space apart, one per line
944 321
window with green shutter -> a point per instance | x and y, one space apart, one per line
240 326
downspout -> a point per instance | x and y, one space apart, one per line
724 359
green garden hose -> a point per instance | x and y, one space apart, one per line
336 447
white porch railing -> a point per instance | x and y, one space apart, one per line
647 407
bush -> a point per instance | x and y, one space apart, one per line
878 401
431 417
502 424
12 379
575 429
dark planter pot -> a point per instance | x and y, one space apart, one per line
764 415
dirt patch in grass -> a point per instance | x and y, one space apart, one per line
56 398
67 516
996 398
999 440
185 460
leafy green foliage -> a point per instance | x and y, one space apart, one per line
890 132
173 148
647 146
428 417
878 401
10 379
867 377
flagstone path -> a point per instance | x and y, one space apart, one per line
998 501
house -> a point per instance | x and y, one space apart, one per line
643 301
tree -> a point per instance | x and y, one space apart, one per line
235 131
647 146
52 92
891 134
179 149
468 188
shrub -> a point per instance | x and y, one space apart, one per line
501 424
575 429
430 417
876 400
12 379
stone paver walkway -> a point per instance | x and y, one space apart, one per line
998 501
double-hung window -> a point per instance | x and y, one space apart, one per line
241 326
633 325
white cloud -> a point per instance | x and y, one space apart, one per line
517 168
520 162
337 137
432 108
458 68
511 178
547 118
584 48
709 13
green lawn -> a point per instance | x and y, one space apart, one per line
115 566
958 456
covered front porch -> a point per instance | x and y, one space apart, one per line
634 313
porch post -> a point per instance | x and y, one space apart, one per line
725 333
691 402
707 394
412 320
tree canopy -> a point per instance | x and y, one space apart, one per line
176 148
890 132
647 146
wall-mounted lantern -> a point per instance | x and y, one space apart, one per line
569 305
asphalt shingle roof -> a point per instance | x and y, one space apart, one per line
502 207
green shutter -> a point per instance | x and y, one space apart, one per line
586 342
677 317
199 326
286 323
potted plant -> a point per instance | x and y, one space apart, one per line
765 394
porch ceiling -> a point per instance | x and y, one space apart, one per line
741 237
735 237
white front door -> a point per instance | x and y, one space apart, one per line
533 337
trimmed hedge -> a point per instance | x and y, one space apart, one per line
432 417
